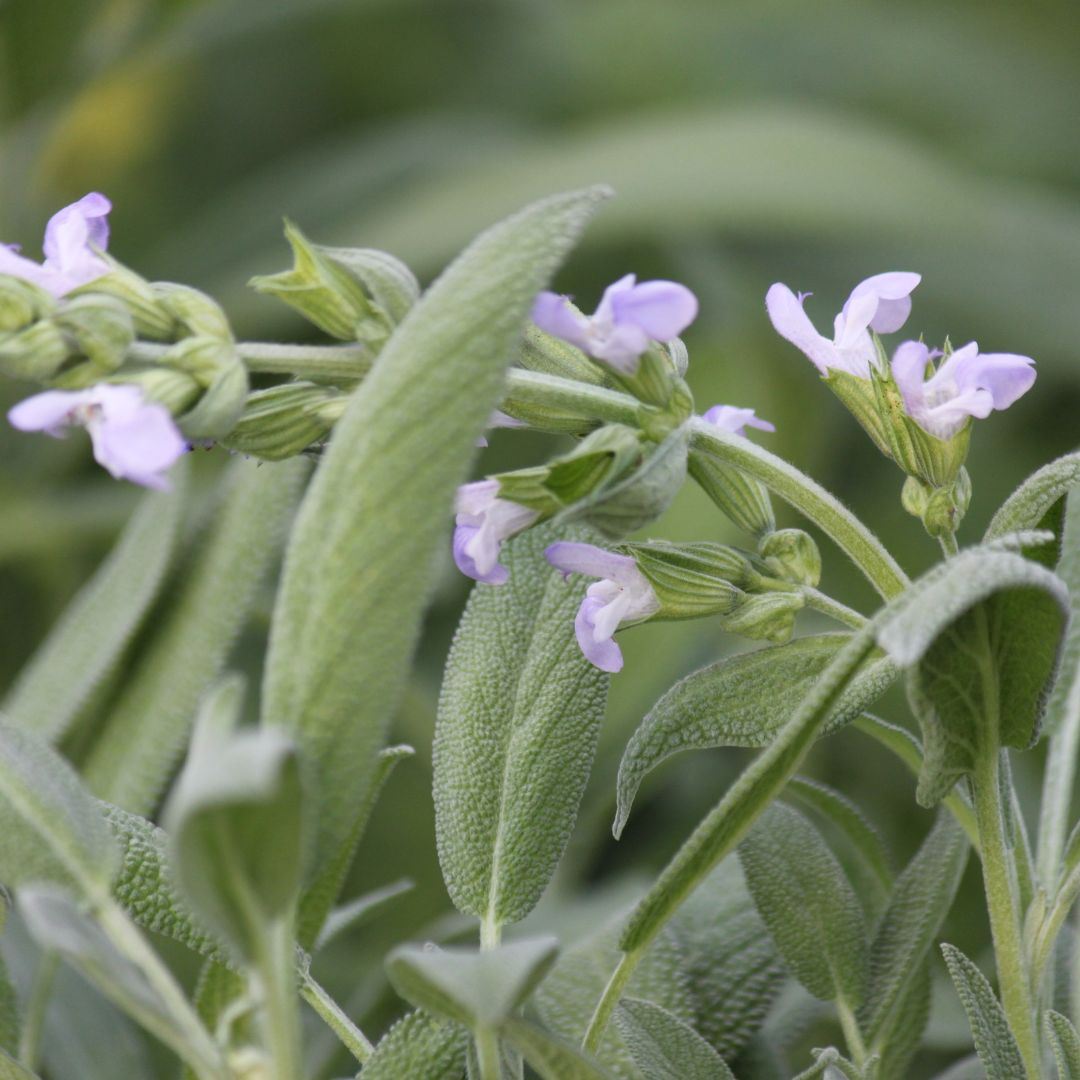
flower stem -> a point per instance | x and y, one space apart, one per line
949 546
820 601
487 1053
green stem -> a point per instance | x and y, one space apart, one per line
610 998
352 1038
1058 785
539 388
275 970
852 1035
1003 906
490 932
487 1053
303 361
1052 924
36 1007
819 601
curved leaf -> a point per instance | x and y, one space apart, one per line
1066 1043
549 1056
663 1046
418 1045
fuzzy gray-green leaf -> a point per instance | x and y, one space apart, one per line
1028 506
358 570
1066 1043
993 1040
808 904
91 634
10 1069
549 1056
519 716
149 723
418 1045
663 1046
742 700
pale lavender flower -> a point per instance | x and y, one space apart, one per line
734 420
71 237
624 595
133 439
499 419
881 303
484 521
628 318
968 383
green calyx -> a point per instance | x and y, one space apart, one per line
284 421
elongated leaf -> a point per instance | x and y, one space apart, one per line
663 1046
10 1069
1066 1043
920 901
51 827
419 1046
361 910
359 567
743 700
549 1056
1033 504
906 1031
969 1068
993 1040
477 989
91 634
519 716
150 721
808 904
728 958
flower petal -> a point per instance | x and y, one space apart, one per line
49 412
893 290
1007 376
605 655
11 262
909 371
791 322
852 323
70 230
463 535
554 315
733 419
621 347
139 447
576 558
476 498
663 309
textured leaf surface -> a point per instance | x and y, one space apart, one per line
478 989
728 958
549 1056
993 1040
663 1046
419 1046
519 716
150 721
1030 504
1066 1043
359 567
808 904
567 997
909 1023
743 700
51 827
920 901
91 634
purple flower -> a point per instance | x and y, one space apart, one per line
623 596
732 419
70 239
628 318
134 439
968 383
881 303
484 521
499 419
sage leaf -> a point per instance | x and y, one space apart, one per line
359 911
519 716
908 1024
376 510
1036 502
90 636
921 898
1066 1043
728 959
808 904
235 821
477 989
418 1045
663 1046
993 1040
10 1069
52 829
742 700
149 722
549 1056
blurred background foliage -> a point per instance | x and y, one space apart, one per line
748 142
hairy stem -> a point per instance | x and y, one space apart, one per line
820 601
852 1035
610 998
352 1038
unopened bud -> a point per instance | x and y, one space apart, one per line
283 421
941 509
390 284
103 331
692 580
768 616
21 303
792 555
197 314
167 386
217 369
151 319
741 498
550 355
36 353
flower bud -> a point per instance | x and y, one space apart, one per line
741 498
655 381
550 355
21 303
103 330
167 386
390 284
36 353
218 371
150 317
692 580
283 421
196 313
941 509
768 616
327 293
792 555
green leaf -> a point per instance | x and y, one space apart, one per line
909 1023
51 827
419 1046
1066 1043
742 700
981 642
808 904
969 1068
993 1040
375 513
87 641
662 1046
10 1069
921 898
519 716
549 1056
149 723
477 989
830 1065
1033 504
728 959
235 821
567 997
361 910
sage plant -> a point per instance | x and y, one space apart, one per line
174 815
